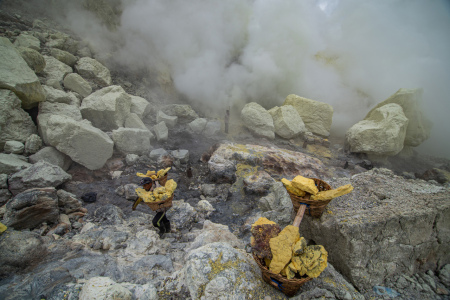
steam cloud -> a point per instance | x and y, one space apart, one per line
351 54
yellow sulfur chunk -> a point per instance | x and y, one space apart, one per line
328 195
267 261
312 262
170 185
141 174
150 173
305 184
299 247
162 172
144 195
281 248
291 189
153 177
290 271
159 190
2 228
262 221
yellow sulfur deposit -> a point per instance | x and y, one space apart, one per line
2 228
299 246
281 247
312 262
330 194
170 185
161 193
305 184
291 189
154 175
262 221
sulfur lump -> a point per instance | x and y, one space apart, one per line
305 184
330 194
281 247
291 189
262 220
312 262
299 246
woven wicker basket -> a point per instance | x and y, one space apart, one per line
162 180
288 286
160 204
314 208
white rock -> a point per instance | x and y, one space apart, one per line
104 288
258 120
288 123
76 83
92 69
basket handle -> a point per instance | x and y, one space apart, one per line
299 216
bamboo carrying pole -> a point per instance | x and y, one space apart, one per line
299 216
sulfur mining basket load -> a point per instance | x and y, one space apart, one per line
314 208
288 286
160 204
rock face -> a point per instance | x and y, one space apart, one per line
15 123
107 108
419 126
40 175
15 75
382 134
258 120
83 143
91 69
224 160
132 140
103 288
399 232
288 123
316 115
31 208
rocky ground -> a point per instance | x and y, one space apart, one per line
209 216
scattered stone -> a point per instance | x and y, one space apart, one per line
161 131
76 83
92 69
64 56
11 163
198 125
257 120
34 59
52 156
131 140
27 40
170 121
14 147
288 123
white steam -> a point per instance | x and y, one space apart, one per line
351 54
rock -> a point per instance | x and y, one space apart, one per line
156 154
14 147
15 123
161 131
20 250
182 215
104 288
33 144
316 115
76 83
438 175
204 208
212 128
83 143
211 271
131 159
131 140
258 183
27 40
257 120
288 123
15 75
31 208
55 95
133 121
185 113
52 156
198 125
181 155
130 191
396 227
277 205
11 163
444 275
64 56
68 202
213 233
140 106
41 174
54 69
34 59
92 69
419 127
147 242
107 108
170 121
383 134
109 214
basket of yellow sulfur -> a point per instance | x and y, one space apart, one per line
160 197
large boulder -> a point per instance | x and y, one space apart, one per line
76 83
131 140
83 143
380 230
52 156
34 59
16 75
15 123
140 106
20 250
213 233
277 205
382 134
316 115
41 174
288 123
92 69
107 108
64 56
31 208
11 163
258 120
55 69
184 112
55 95
133 121
419 127
25 39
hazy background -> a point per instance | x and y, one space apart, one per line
351 54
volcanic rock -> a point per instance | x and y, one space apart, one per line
90 68
258 120
52 156
76 83
288 123
34 59
54 69
131 140
11 163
